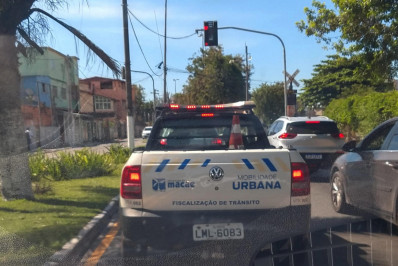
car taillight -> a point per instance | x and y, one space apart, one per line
300 179
287 136
338 136
131 183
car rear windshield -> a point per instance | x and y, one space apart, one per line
313 127
205 133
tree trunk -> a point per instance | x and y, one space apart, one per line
14 164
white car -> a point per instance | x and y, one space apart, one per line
317 139
146 132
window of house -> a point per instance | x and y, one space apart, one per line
63 93
55 91
43 87
102 103
106 85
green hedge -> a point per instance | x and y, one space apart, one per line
357 115
78 164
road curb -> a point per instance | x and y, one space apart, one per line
72 252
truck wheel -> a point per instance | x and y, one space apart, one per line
339 203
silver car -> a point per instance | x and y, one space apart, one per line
366 176
317 139
146 132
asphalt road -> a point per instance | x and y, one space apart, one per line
107 249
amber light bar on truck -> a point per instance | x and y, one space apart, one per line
173 107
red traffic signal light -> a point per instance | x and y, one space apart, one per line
211 33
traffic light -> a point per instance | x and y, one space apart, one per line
211 34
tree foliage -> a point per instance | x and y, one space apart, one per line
337 77
269 101
357 115
23 25
369 28
214 78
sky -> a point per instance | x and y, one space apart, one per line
101 21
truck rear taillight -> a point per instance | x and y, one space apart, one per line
300 179
131 183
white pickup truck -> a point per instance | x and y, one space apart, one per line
208 184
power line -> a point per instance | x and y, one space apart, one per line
145 26
139 45
157 27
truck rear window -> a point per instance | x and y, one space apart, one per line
322 127
205 133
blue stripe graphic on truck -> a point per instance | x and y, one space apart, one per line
162 165
205 163
248 163
184 164
269 164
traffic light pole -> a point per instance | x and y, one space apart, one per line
284 55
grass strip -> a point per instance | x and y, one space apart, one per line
31 231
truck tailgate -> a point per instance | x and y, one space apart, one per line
216 180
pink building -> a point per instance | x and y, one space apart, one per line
104 99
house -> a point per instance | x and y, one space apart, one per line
50 98
104 99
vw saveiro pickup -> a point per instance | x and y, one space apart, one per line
209 185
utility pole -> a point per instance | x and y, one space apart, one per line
175 85
165 55
247 75
130 107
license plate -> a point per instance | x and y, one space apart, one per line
222 231
313 156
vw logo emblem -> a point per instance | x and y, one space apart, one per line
216 173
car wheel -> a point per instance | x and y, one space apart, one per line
339 203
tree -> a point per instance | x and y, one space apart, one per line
367 27
22 25
143 110
215 78
337 77
269 101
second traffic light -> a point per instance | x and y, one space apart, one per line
211 34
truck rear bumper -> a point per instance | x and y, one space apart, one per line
173 231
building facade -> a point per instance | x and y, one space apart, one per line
104 100
50 98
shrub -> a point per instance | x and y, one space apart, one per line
118 153
82 163
357 115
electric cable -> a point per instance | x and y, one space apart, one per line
145 26
142 52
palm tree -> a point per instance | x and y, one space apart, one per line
23 25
